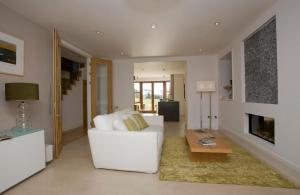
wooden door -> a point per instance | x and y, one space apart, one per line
95 88
56 94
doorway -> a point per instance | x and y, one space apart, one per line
73 95
56 90
157 82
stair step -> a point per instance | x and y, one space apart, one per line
65 74
70 74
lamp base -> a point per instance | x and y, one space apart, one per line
23 118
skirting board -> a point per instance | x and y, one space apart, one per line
287 169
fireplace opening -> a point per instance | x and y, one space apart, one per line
262 127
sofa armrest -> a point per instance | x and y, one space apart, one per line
155 120
132 151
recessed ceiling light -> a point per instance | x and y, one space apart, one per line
153 26
217 23
98 32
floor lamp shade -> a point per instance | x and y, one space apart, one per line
21 91
206 86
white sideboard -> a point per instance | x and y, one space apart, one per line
21 157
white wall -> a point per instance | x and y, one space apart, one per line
143 79
286 113
198 68
38 69
179 81
201 68
123 92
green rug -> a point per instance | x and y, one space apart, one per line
240 168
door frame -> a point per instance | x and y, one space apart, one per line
56 94
84 106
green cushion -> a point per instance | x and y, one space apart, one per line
130 124
140 121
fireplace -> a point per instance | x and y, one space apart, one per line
262 127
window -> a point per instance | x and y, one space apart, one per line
148 94
168 90
158 94
137 93
147 97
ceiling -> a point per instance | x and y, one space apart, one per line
184 27
159 69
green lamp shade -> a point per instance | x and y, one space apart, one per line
21 91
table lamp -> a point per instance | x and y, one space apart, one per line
209 87
22 92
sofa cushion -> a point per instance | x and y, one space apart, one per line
140 121
130 115
130 124
124 112
118 124
104 122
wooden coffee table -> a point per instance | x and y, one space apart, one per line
198 152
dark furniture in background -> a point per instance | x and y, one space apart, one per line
169 109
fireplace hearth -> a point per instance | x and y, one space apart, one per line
262 127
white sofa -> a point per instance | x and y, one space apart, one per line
138 151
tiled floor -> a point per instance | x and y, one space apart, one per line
74 174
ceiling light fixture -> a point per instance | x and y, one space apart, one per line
217 23
98 32
153 26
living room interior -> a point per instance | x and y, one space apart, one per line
107 71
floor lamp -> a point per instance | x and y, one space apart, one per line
205 87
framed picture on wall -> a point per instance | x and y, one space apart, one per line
11 55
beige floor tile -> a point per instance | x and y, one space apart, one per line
74 174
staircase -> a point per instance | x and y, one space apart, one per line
70 74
